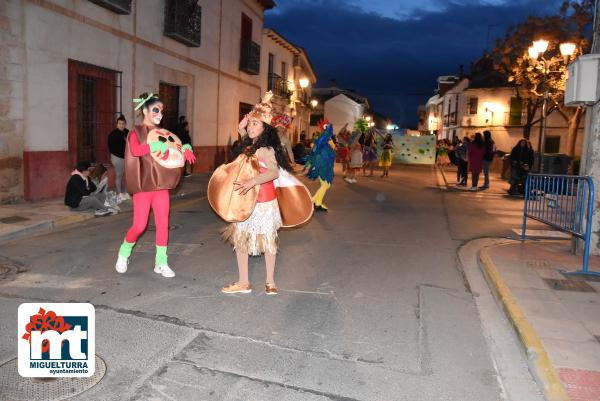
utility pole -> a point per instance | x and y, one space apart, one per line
590 157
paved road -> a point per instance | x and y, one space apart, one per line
372 304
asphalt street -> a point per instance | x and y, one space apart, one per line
373 303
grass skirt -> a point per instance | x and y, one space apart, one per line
257 234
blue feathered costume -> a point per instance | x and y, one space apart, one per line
320 163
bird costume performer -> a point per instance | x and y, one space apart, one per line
320 163
154 158
257 195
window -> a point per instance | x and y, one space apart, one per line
552 144
473 105
516 109
249 50
245 108
284 71
183 20
271 64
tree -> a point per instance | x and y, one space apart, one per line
572 24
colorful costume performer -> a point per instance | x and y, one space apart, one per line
154 158
320 163
385 160
258 196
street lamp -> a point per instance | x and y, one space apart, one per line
536 53
368 118
303 82
314 103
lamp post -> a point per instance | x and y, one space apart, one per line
304 84
536 53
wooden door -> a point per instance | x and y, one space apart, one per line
169 94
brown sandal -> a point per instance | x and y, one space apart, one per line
237 288
270 289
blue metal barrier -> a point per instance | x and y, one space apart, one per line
564 202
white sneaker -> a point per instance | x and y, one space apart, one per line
121 265
101 212
123 196
354 180
348 180
165 270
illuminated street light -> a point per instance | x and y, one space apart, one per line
536 53
540 45
303 82
368 118
314 103
567 49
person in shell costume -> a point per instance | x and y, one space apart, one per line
257 195
320 163
154 158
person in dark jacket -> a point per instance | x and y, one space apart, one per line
521 160
463 162
488 157
116 147
80 192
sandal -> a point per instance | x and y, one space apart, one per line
237 288
270 289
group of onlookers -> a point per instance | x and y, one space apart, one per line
476 153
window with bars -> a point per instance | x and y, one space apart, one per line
473 103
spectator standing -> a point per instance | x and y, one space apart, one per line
475 153
488 157
463 161
116 146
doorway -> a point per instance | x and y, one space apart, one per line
93 94
169 95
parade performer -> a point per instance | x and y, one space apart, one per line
342 152
258 195
385 161
154 158
282 122
320 163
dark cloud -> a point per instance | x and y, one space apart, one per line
394 61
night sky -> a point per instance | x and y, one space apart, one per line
392 51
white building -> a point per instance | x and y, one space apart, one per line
72 67
474 104
287 68
339 106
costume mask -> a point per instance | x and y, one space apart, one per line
173 157
155 112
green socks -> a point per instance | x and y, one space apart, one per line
161 252
161 255
126 248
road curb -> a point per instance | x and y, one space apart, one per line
539 360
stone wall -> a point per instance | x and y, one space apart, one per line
11 100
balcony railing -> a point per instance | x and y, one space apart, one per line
278 86
303 96
183 21
117 6
250 57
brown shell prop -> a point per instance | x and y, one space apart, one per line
228 204
173 157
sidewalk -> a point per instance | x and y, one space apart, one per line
24 219
557 317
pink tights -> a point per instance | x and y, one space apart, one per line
142 201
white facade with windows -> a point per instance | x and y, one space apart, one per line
75 65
